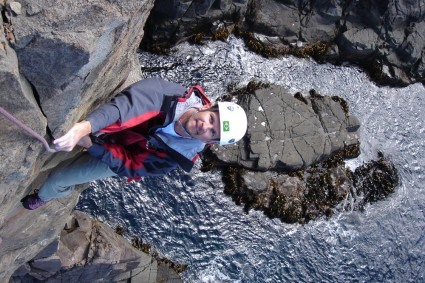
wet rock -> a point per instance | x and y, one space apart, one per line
318 191
373 34
182 19
375 180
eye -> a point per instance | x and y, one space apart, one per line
213 132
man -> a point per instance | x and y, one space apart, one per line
149 129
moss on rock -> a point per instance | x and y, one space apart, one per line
313 192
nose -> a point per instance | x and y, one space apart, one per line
204 127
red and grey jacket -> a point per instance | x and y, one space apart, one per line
129 143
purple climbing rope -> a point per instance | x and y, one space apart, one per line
27 129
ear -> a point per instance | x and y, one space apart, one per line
205 107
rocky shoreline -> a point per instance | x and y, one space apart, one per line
58 62
384 38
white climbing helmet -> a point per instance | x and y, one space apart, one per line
233 122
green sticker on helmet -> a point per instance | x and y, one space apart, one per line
226 126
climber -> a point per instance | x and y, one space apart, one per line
148 129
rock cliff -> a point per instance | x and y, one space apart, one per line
58 60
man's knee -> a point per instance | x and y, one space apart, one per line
64 189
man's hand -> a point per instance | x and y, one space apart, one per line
85 142
68 141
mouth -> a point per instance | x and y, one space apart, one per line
197 127
193 129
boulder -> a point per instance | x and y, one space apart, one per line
311 193
93 254
291 163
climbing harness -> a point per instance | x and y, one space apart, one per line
26 128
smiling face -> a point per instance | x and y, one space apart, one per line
203 125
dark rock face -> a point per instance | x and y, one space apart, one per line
304 195
384 37
291 162
375 180
175 20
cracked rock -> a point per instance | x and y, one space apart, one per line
286 133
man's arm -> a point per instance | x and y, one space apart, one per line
128 107
133 160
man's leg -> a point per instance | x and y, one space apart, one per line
83 169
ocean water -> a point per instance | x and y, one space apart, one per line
188 219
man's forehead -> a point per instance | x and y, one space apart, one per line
217 115
214 112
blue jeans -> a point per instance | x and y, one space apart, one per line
83 169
